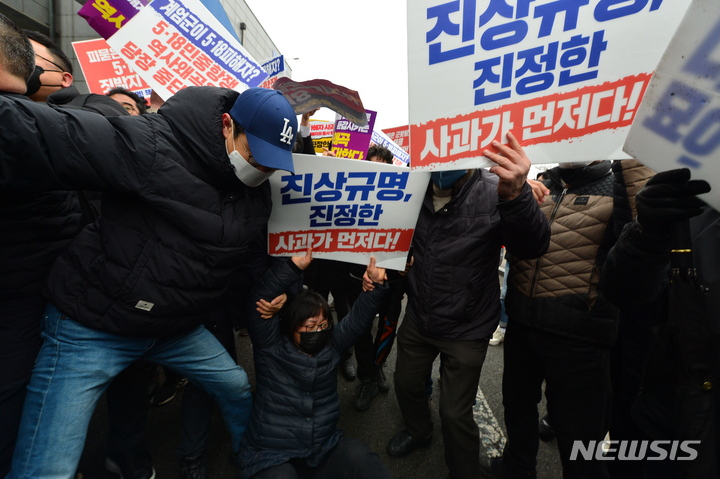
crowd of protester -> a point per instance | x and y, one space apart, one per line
133 249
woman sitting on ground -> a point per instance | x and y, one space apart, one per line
293 430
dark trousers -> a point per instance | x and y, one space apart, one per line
462 364
371 353
20 342
128 403
349 459
577 377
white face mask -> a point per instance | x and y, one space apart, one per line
247 173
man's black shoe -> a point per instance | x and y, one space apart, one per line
403 443
348 369
131 464
491 467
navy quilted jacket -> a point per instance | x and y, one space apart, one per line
296 405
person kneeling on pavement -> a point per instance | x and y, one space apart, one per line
293 430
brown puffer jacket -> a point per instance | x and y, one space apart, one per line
558 292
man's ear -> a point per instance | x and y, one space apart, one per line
227 124
67 79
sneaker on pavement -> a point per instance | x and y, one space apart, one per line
366 391
131 464
194 467
498 336
348 370
382 381
167 391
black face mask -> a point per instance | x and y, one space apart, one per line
33 83
312 343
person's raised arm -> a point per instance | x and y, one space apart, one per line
524 229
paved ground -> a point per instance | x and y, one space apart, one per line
375 427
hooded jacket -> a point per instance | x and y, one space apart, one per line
453 288
559 292
176 220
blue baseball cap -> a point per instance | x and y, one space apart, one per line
270 126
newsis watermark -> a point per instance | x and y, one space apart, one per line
659 450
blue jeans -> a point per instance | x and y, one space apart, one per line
76 365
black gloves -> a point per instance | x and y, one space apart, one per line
668 198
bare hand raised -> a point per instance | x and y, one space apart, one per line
512 167
303 262
373 274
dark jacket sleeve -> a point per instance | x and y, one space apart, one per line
360 317
277 280
50 148
524 230
308 147
635 271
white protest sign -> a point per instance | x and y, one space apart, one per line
173 44
678 123
401 157
347 210
565 76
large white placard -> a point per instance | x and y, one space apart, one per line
173 44
678 123
346 210
565 76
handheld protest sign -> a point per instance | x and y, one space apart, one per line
104 69
174 44
345 210
351 140
678 123
565 76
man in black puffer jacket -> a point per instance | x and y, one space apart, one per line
184 198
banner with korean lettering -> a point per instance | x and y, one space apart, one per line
275 69
107 17
351 140
346 210
313 94
321 132
678 122
566 76
174 44
400 156
400 135
104 69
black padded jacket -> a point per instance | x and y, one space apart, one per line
176 221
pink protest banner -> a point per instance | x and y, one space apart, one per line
104 69
313 94
106 17
401 136
350 140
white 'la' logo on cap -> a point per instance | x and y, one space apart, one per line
287 133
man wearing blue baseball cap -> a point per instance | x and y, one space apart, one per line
185 206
